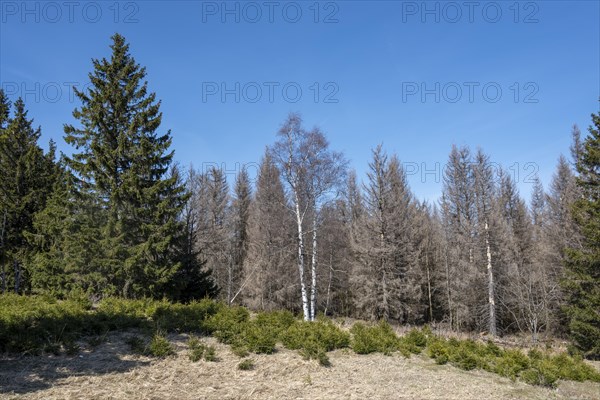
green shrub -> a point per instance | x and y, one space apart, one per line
240 350
116 313
370 339
415 339
210 354
573 368
543 373
246 365
275 321
197 349
257 338
190 317
323 332
160 346
28 324
315 339
438 351
511 364
228 323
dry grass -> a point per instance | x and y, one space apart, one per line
111 372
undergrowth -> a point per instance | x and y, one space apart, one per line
36 324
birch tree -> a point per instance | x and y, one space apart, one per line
312 171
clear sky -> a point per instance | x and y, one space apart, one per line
510 77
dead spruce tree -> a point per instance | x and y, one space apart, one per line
238 217
313 173
458 216
267 284
384 245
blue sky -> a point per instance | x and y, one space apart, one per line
510 77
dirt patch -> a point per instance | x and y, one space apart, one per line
111 372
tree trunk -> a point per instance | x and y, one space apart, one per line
490 273
17 276
385 303
3 255
305 304
230 280
429 288
448 287
313 270
3 277
329 283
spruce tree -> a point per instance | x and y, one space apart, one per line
240 207
582 278
120 164
192 281
25 183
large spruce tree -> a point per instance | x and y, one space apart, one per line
25 183
120 166
582 281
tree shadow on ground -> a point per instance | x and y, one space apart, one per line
26 374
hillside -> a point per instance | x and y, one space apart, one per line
111 371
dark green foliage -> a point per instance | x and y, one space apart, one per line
582 280
438 351
415 340
189 317
121 168
29 324
39 323
572 368
210 354
197 349
240 350
370 339
26 183
261 334
536 367
542 374
228 323
258 339
160 346
246 365
323 332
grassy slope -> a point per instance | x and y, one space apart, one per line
111 371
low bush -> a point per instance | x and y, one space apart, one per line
228 323
573 368
190 317
257 338
160 346
36 324
246 365
378 338
511 364
315 339
304 334
196 349
32 324
438 350
210 354
415 340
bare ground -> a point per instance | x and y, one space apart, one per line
111 372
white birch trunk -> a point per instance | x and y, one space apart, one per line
490 273
313 270
305 305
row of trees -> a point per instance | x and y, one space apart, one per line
119 217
